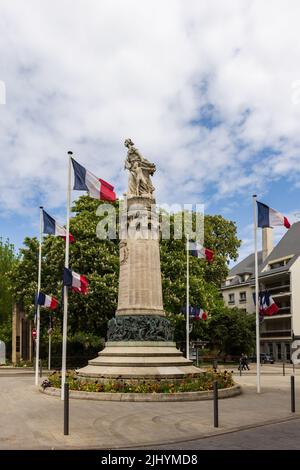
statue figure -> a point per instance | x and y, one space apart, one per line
140 169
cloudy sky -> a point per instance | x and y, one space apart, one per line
208 90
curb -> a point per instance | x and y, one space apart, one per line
146 397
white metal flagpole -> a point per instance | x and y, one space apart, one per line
49 349
256 296
65 296
37 341
187 299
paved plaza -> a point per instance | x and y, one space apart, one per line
32 420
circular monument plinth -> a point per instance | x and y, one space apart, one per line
140 360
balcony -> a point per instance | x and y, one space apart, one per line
276 334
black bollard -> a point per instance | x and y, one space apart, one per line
293 406
283 368
66 409
216 405
41 368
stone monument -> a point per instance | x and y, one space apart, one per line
140 337
2 353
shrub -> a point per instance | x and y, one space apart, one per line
203 382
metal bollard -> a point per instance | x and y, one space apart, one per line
41 368
283 368
293 405
66 409
216 405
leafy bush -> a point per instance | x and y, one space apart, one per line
189 384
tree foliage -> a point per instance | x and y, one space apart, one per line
99 261
8 260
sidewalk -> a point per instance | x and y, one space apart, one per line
32 420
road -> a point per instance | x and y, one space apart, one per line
32 420
279 436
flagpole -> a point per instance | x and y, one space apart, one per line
49 347
65 296
256 296
187 299
37 344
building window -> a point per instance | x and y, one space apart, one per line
231 298
287 352
243 297
279 351
17 344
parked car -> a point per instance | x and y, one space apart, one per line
264 358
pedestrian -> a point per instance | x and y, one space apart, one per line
244 362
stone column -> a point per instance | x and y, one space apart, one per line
140 289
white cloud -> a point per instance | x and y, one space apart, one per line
85 75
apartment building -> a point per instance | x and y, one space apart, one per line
279 273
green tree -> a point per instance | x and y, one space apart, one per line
99 261
231 331
95 258
8 260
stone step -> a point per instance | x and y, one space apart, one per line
140 361
140 354
141 373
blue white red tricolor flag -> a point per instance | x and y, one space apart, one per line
51 227
201 252
199 314
97 188
195 312
77 282
267 306
267 217
47 301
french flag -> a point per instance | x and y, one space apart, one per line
47 301
200 314
201 252
267 306
77 282
97 188
51 227
268 217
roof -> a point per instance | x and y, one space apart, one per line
288 245
246 265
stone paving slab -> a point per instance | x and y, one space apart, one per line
31 420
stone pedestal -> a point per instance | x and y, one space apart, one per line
139 360
140 338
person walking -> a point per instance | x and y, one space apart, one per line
244 362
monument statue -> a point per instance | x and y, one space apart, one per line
140 337
140 170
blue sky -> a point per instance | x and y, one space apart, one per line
209 91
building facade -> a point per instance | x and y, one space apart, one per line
22 344
279 273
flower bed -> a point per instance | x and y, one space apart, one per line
204 382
